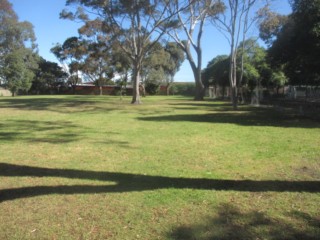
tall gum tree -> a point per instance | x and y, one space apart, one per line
18 59
98 63
235 24
163 63
189 31
296 44
135 25
176 58
70 54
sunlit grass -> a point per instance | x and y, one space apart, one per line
86 167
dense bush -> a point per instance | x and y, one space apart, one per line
152 88
187 89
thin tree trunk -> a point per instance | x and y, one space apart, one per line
234 92
200 91
233 78
136 99
168 89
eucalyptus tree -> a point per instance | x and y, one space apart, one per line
97 64
70 54
122 66
98 61
13 33
18 70
175 60
188 32
134 25
253 64
155 63
235 24
256 70
271 25
17 50
216 73
49 75
296 45
162 64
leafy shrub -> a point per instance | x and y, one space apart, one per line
187 89
152 88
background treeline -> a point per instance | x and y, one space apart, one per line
149 53
292 56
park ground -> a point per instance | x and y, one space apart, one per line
89 167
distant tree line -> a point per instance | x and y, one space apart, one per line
294 43
254 72
145 42
21 68
292 56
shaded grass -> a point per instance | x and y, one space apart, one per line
85 167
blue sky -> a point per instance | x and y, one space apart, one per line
49 29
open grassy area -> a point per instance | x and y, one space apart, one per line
88 167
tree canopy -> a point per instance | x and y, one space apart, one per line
297 45
235 24
17 44
48 76
188 32
135 26
255 71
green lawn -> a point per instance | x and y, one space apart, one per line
89 167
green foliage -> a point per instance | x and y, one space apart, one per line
19 70
48 76
155 75
103 81
185 89
70 53
135 27
297 46
255 71
163 63
254 61
189 31
152 88
256 68
216 72
14 34
17 42
278 79
270 25
176 58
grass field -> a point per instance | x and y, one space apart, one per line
89 167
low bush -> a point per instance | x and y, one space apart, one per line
186 89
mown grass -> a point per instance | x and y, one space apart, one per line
85 167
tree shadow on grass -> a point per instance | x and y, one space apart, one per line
127 182
41 103
54 132
65 104
208 105
232 223
248 117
